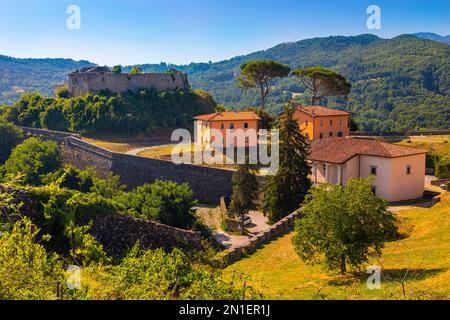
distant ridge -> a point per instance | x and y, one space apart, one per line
433 36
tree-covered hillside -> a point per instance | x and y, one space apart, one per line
24 75
397 84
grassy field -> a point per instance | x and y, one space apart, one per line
422 258
439 144
115 146
165 153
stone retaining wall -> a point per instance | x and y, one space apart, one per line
438 182
280 228
208 184
118 232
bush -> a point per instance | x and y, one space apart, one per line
443 168
27 271
10 136
156 275
432 159
63 92
75 179
163 201
33 158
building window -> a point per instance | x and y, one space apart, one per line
340 122
408 170
247 140
373 170
231 126
331 122
245 125
321 135
222 126
324 168
330 134
340 134
321 123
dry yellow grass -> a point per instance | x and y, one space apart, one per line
439 144
278 272
121 147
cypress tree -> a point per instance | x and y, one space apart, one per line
245 190
285 191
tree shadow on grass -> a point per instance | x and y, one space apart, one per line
387 276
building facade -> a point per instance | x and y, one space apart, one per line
227 129
318 122
399 171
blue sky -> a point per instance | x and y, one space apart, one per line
183 31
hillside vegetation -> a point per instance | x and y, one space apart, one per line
397 84
18 76
146 111
422 259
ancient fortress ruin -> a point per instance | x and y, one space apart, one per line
96 79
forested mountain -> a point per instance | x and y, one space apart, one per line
397 84
433 36
24 75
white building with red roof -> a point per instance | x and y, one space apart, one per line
399 171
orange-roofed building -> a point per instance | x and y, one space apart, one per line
228 129
399 171
318 122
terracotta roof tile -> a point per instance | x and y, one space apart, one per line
340 150
228 115
319 111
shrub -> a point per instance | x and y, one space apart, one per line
163 201
72 178
443 168
10 136
33 158
63 92
27 271
156 275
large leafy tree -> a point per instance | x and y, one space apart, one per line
343 225
10 136
34 158
259 73
285 191
322 82
245 190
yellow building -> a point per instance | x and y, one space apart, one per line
318 122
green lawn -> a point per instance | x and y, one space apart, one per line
277 271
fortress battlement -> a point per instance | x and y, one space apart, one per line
94 80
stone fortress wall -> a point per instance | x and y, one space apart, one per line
208 184
94 80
